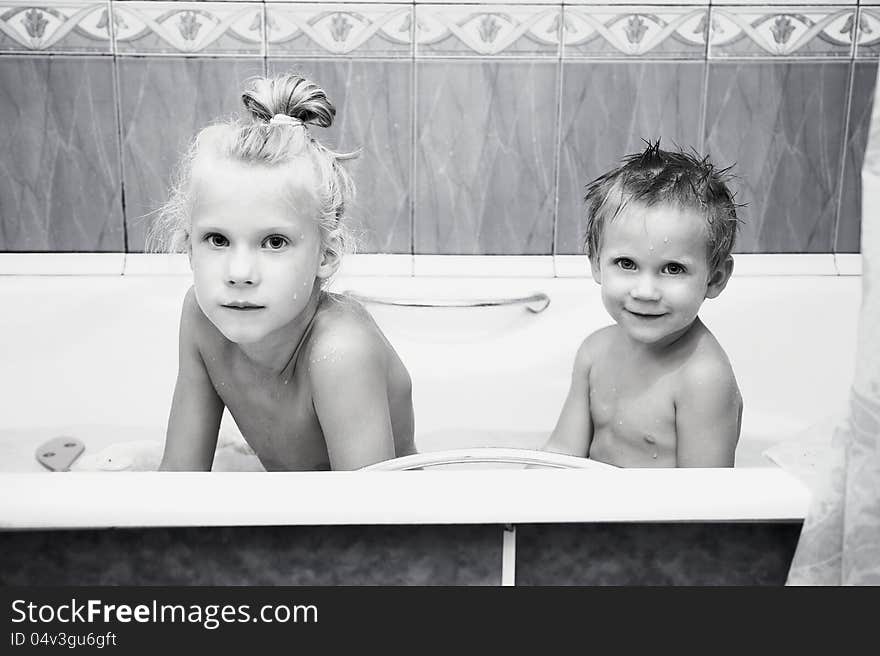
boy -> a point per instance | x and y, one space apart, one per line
655 389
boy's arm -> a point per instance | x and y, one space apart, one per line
196 409
708 413
574 428
349 391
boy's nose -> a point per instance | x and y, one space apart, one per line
645 289
241 269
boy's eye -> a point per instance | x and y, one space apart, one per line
216 240
626 264
275 242
674 269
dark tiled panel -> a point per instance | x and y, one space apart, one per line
782 125
281 555
485 165
165 102
59 188
607 109
850 216
373 102
654 554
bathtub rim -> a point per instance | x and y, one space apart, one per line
80 500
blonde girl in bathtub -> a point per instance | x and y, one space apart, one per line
655 389
307 375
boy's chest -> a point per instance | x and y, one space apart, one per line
632 404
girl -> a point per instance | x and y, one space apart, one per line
307 375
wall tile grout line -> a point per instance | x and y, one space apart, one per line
414 135
845 145
557 147
117 101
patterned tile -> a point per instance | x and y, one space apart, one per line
637 31
868 44
485 163
848 239
315 30
489 30
781 123
165 101
607 109
374 105
202 28
782 31
56 27
59 170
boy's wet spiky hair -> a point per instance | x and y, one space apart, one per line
656 176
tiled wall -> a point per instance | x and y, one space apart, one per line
479 123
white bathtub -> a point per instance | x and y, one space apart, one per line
94 356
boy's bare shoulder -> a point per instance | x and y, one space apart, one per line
707 368
594 347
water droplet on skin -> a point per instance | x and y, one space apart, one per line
654 456
650 247
650 440
666 240
620 423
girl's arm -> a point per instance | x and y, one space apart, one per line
196 409
574 428
348 376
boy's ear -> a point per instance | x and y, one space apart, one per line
719 277
596 269
330 258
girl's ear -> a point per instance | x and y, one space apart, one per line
331 257
719 277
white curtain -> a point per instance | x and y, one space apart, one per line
840 540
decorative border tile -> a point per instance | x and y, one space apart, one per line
188 28
503 266
61 264
56 27
868 43
638 31
376 30
848 264
531 31
781 31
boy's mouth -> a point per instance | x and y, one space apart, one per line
645 315
243 306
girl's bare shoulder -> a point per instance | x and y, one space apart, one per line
343 326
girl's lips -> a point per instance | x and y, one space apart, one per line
243 306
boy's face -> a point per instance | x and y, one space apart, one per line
654 271
255 248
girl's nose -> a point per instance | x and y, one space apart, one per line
645 289
241 268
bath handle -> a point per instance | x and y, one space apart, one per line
488 455
535 303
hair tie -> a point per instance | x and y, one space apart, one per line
284 119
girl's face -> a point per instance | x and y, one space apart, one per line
654 272
255 246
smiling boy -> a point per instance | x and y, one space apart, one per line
655 389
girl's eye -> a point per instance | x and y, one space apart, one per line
626 264
275 242
216 240
674 269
